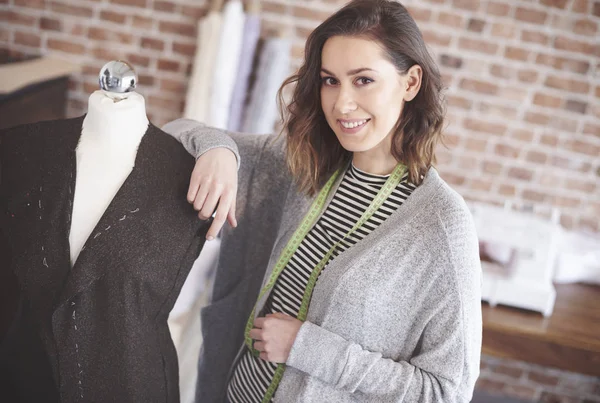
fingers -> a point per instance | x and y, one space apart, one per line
256 334
195 181
221 215
213 188
210 203
231 214
259 323
200 200
261 347
210 196
274 338
279 315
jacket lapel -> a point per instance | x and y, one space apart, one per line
121 233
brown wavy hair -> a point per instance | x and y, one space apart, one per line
313 151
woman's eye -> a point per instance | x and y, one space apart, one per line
328 81
363 80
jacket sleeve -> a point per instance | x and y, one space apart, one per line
445 365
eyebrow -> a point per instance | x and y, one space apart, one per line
350 73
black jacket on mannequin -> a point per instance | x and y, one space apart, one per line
97 331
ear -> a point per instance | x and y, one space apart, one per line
412 82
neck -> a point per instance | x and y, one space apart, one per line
117 125
374 163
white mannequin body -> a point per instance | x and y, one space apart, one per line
106 152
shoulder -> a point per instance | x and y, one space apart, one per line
23 137
450 226
445 205
23 147
166 143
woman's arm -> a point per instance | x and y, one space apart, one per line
213 185
216 180
346 365
197 138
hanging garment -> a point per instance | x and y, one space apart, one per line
273 68
238 99
197 101
226 64
97 331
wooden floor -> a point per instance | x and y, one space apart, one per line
569 339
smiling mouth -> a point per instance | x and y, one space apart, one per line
353 124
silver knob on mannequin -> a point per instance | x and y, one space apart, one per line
117 79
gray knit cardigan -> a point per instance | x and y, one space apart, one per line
395 318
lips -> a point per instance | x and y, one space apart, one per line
352 125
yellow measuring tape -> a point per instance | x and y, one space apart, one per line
307 223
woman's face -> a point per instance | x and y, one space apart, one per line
362 95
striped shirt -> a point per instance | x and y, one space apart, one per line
252 375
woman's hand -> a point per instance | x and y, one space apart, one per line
213 185
274 336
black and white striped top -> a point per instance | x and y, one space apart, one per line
252 376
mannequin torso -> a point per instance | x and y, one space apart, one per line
95 330
111 134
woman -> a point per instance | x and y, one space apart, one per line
372 285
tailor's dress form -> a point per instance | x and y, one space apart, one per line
95 331
110 135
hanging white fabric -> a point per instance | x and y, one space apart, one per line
273 69
250 40
198 94
226 64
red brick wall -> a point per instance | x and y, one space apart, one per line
523 80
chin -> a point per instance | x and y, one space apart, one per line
354 145
350 142
351 146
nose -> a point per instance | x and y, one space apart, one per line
345 103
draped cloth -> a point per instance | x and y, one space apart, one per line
226 64
184 318
274 67
249 42
198 94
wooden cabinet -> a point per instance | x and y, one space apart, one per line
34 103
33 89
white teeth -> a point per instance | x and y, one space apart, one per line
352 125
